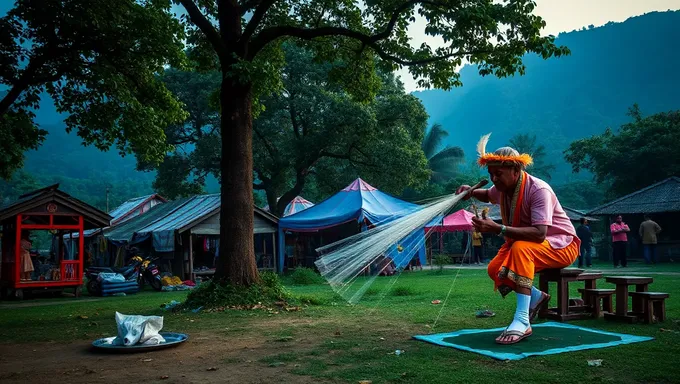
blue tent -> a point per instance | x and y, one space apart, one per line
358 202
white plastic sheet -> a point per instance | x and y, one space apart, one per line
136 329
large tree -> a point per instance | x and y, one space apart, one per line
312 131
97 61
244 39
641 153
527 143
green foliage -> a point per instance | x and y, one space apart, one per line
581 194
441 260
641 153
306 276
219 295
317 131
526 143
442 162
97 61
19 184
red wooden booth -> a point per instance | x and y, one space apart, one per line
55 211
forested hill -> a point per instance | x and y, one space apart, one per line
560 100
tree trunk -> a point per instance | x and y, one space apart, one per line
237 250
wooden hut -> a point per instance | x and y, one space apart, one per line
662 202
55 211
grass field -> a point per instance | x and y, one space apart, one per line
334 342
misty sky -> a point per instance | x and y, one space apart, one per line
562 16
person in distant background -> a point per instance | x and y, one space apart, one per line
476 247
583 232
26 262
648 231
619 231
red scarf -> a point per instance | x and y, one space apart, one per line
513 211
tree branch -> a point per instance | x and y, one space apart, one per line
199 19
268 35
266 142
247 5
294 121
255 21
22 83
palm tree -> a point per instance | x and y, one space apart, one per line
443 163
526 143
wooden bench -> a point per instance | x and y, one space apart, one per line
622 282
563 312
590 280
653 305
595 297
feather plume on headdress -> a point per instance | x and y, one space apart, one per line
522 160
481 145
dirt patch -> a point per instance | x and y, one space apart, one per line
203 359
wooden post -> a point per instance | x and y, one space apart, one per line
81 249
274 250
191 257
17 252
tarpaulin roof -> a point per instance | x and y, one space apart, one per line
357 201
298 204
457 221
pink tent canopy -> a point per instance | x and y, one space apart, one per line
457 221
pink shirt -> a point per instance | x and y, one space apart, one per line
540 207
621 236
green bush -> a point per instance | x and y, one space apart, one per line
306 276
403 291
215 294
311 300
441 261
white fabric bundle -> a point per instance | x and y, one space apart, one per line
136 329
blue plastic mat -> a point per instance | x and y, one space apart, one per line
171 340
547 339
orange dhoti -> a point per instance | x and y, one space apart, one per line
518 261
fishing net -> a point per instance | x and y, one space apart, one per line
352 265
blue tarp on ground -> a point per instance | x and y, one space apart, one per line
358 201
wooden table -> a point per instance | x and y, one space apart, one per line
622 282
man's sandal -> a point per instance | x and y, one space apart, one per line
514 333
545 299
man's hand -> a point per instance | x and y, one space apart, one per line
464 188
486 225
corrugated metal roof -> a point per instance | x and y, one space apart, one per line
663 196
193 210
576 215
173 216
121 211
127 229
128 206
